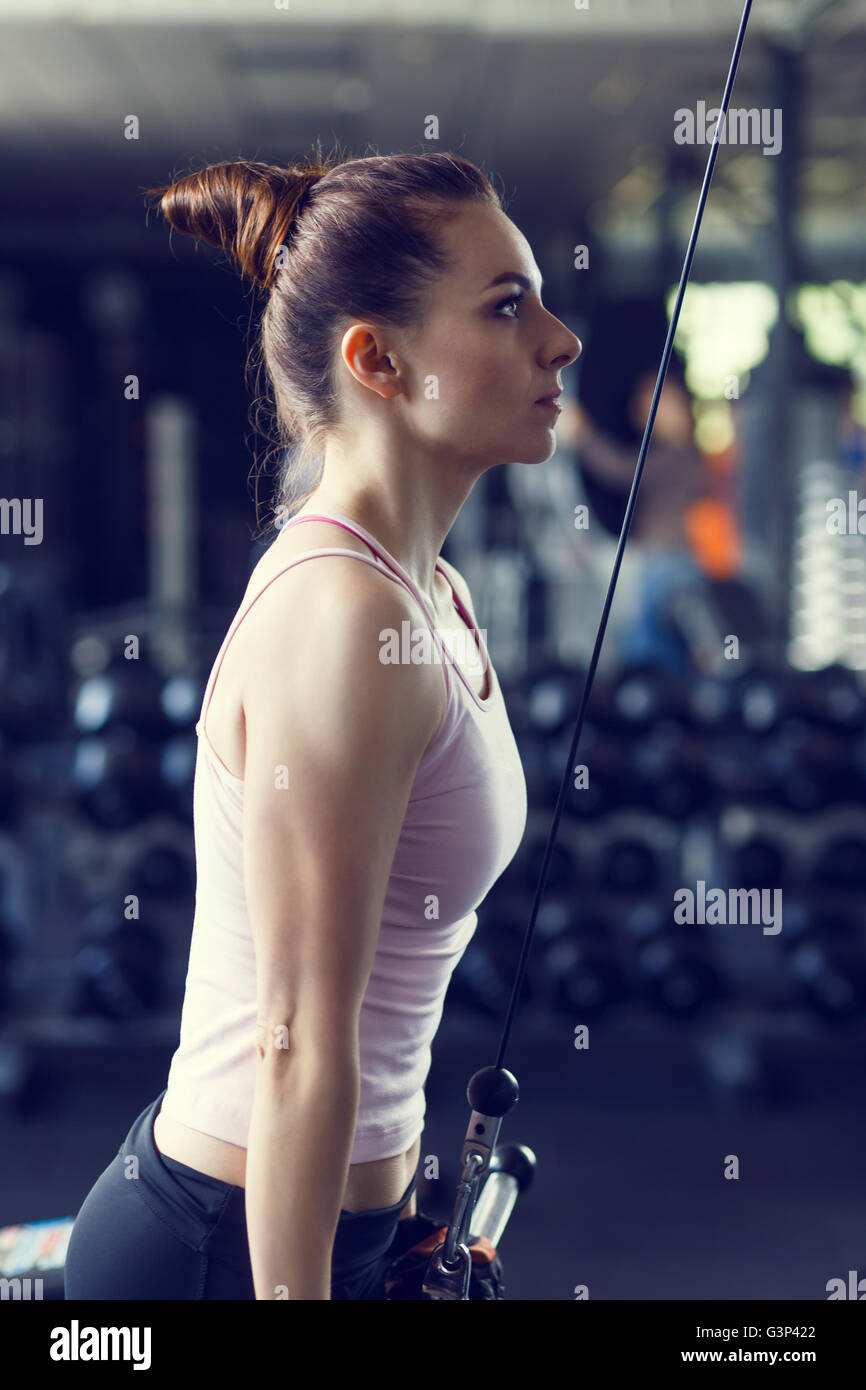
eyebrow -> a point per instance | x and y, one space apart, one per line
515 277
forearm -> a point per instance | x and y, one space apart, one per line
298 1152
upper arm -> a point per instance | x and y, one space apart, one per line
334 737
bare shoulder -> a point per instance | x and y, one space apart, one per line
328 617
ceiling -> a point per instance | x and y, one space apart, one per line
570 109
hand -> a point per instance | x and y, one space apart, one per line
405 1275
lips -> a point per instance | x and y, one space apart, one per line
549 399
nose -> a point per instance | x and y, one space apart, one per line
570 346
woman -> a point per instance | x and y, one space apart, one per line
351 811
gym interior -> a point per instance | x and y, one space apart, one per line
691 1031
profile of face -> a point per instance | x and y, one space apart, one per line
465 382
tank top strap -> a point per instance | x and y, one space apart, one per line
384 556
383 562
396 570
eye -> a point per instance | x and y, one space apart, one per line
512 299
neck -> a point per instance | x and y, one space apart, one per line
414 540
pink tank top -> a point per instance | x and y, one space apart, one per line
463 824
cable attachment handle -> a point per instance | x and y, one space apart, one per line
492 1092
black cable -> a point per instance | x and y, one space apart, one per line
560 802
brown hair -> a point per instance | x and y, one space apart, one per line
331 240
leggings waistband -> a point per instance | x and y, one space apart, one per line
209 1215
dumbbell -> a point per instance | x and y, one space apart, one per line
640 697
547 700
581 965
825 959
139 695
738 769
765 697
127 695
762 849
630 861
832 697
181 699
542 709
115 779
674 966
673 772
810 766
118 966
484 975
563 870
711 705
479 981
610 782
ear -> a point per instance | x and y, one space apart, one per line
363 351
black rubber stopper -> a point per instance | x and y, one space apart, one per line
493 1091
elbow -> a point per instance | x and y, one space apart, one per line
285 1045
274 1039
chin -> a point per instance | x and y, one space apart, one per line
539 451
543 451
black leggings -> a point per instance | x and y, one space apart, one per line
172 1232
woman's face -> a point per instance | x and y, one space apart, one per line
486 352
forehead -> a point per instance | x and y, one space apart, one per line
485 242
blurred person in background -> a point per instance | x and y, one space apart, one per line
684 529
